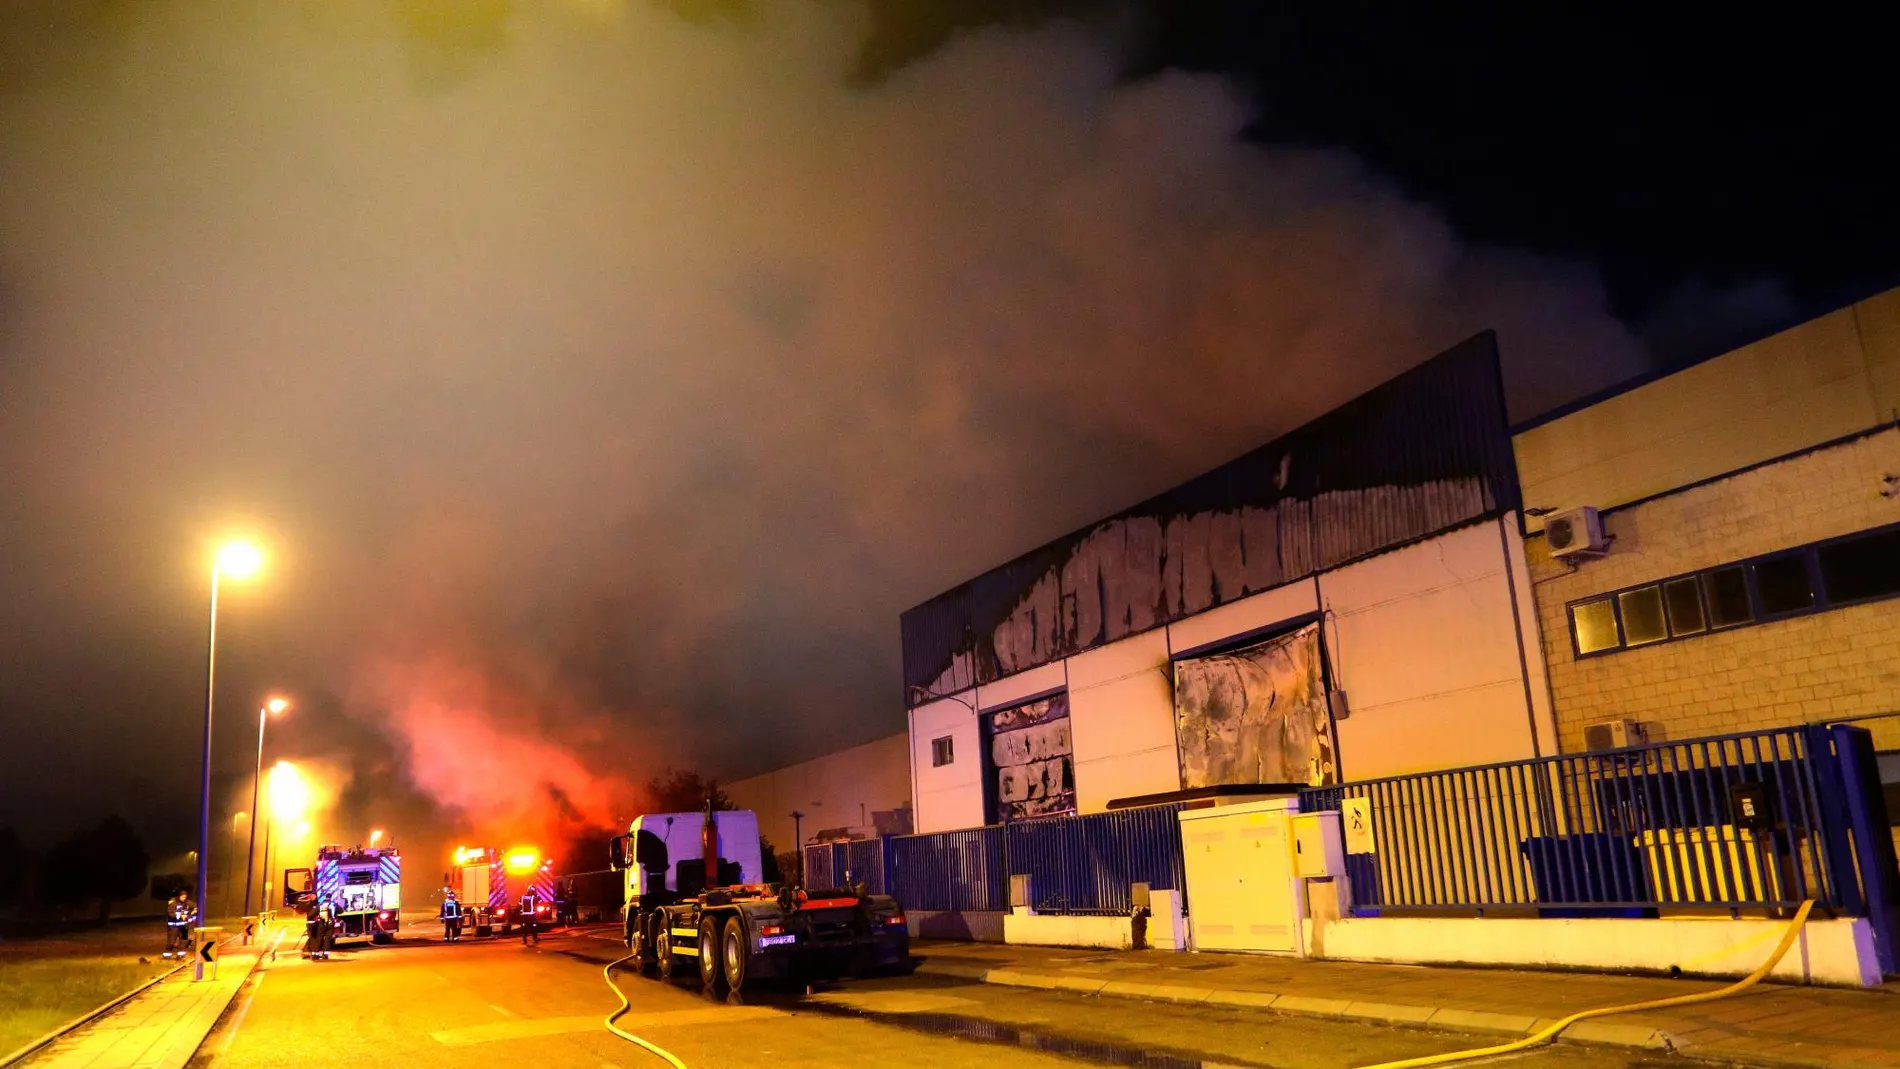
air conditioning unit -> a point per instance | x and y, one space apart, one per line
1575 532
1614 735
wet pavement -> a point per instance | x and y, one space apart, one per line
494 1002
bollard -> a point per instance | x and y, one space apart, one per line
204 952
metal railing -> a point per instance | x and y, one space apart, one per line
949 870
1733 821
845 863
1077 865
1088 864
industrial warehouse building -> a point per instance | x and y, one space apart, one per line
1375 593
1741 566
1406 588
1351 600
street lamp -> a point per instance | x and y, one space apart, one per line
239 561
229 888
275 705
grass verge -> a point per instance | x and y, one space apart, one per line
45 985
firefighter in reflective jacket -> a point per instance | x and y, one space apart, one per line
179 914
321 931
530 917
451 918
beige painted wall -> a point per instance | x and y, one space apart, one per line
1423 642
1825 379
839 789
1832 665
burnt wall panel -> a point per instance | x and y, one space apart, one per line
1425 452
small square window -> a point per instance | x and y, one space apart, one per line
942 752
1783 584
1595 625
1684 599
1642 612
1728 597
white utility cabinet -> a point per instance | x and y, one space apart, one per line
1241 888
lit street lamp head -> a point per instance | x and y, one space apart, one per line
239 560
277 705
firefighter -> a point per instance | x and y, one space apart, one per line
451 918
310 937
325 917
530 918
179 914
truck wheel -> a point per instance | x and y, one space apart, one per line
663 948
712 973
737 952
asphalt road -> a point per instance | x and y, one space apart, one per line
495 1003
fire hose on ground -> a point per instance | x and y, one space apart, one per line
657 1051
1547 1034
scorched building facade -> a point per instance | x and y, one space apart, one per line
1348 601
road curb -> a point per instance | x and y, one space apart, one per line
1597 1033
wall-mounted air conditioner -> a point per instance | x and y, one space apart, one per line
1575 532
1614 735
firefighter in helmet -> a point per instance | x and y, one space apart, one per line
531 917
179 914
451 918
323 929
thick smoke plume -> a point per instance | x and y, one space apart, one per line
611 379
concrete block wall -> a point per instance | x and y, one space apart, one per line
1829 666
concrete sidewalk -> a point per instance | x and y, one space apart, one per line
1769 1024
162 1027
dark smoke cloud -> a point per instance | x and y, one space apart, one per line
611 378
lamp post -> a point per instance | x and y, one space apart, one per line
275 705
239 561
230 889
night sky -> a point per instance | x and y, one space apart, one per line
607 376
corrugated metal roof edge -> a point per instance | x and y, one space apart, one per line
1417 370
921 698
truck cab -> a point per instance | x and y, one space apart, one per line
663 860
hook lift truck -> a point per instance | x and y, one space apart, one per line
695 897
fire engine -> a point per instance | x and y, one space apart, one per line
489 884
363 888
694 895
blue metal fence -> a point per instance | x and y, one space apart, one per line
949 870
1076 864
846 863
1735 821
1087 864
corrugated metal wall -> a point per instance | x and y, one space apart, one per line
1426 452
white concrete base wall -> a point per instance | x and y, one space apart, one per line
1838 952
969 926
1043 930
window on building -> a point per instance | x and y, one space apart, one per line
942 752
1862 568
1807 579
1642 613
1783 585
1683 597
1595 625
1727 589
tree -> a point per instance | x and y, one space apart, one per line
15 863
103 865
683 790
